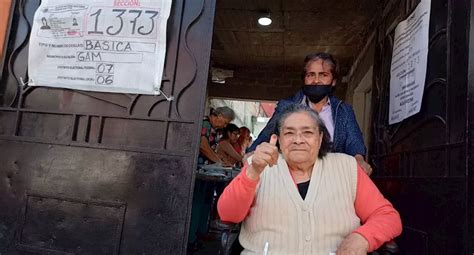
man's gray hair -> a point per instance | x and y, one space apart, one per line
297 108
225 112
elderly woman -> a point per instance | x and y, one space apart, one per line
203 191
217 119
302 200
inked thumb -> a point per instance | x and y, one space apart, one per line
273 139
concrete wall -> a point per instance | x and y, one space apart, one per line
366 61
257 84
262 84
359 89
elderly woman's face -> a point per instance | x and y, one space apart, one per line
300 138
220 122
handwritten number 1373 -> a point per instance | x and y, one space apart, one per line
115 30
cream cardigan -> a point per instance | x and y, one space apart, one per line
291 225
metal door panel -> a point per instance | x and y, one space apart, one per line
102 173
421 163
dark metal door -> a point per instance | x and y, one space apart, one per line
422 162
100 173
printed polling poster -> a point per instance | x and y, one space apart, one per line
99 45
409 60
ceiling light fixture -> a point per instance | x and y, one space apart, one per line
265 20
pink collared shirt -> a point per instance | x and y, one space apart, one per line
325 115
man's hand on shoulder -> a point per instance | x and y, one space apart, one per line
361 161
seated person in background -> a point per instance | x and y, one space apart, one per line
218 118
244 141
320 74
203 190
225 148
300 199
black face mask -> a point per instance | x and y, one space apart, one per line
316 93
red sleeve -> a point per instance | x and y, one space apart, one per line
203 131
380 221
235 202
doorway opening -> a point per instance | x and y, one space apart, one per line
248 113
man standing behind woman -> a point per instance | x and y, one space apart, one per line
320 74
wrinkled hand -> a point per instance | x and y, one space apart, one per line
361 161
353 244
266 154
367 168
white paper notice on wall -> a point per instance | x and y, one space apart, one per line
409 61
99 45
